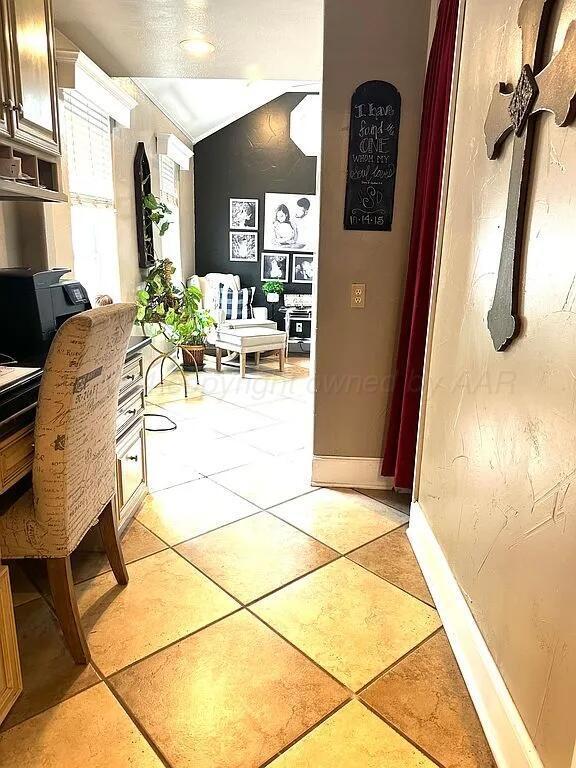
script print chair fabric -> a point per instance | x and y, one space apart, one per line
73 476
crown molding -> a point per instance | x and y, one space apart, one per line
76 71
171 146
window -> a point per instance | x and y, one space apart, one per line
91 193
169 186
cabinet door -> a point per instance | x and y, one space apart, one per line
33 73
6 102
10 675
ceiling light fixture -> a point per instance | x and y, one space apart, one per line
197 46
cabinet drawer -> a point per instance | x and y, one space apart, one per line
131 374
16 456
131 469
129 411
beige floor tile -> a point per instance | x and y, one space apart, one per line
222 454
391 557
399 501
255 556
217 414
165 599
425 697
168 470
353 737
49 673
23 591
349 621
90 729
266 483
285 410
342 519
177 514
230 696
278 439
89 559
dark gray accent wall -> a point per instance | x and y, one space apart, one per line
252 156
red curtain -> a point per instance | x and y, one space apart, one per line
399 449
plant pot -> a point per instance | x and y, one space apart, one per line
273 298
191 352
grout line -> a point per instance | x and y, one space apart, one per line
394 664
392 584
402 734
137 723
306 732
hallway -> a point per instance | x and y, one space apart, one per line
265 622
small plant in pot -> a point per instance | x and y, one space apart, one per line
189 327
273 290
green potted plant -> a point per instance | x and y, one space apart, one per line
159 295
188 328
273 290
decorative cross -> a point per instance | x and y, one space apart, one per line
551 89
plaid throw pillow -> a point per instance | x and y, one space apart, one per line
237 304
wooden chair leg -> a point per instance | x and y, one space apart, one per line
243 365
66 607
111 541
282 356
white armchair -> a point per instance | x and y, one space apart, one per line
210 286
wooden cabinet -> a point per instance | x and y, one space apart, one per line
131 474
33 73
5 94
29 128
10 675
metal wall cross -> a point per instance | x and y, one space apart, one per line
551 89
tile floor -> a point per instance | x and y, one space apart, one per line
265 622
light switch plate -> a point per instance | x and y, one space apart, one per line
358 296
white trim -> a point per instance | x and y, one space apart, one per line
171 146
76 71
501 721
349 472
150 96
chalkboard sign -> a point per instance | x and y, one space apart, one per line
372 156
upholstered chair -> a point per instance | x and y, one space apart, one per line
73 475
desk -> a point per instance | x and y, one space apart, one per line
18 410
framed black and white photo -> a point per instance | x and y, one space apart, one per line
243 246
243 213
275 266
303 268
291 223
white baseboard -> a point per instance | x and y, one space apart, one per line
501 721
349 472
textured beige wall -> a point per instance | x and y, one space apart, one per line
146 122
499 450
356 349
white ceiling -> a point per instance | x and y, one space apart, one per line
256 40
200 107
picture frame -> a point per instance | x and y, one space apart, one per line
275 266
244 213
303 268
243 246
291 223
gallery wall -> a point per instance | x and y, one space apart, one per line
247 159
356 348
497 474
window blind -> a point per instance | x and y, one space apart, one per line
169 184
88 149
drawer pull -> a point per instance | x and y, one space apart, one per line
130 377
131 412
133 458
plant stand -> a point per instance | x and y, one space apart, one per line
161 358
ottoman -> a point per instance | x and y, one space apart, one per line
250 340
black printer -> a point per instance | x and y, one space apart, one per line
33 305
